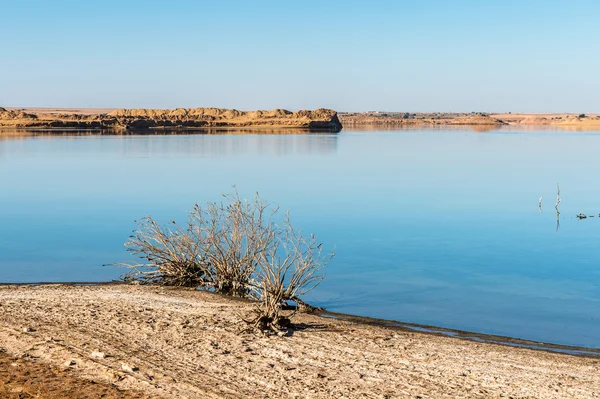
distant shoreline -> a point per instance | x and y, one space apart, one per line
167 119
398 119
323 120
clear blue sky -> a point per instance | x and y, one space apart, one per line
424 55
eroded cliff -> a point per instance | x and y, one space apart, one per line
180 118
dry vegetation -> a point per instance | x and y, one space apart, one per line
234 247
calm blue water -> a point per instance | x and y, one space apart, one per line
433 227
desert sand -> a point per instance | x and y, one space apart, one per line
178 343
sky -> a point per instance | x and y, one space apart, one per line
419 56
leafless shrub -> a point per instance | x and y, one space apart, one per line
288 269
172 257
233 236
235 248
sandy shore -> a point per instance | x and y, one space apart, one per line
173 343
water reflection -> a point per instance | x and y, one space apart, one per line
556 207
483 128
476 128
207 146
50 133
180 145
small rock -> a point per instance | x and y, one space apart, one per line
28 329
70 363
98 355
128 369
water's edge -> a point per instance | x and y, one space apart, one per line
467 335
399 325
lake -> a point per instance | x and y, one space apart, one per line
432 226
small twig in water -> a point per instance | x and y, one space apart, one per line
557 198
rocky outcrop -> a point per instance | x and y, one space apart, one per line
477 119
400 119
180 118
6 115
320 119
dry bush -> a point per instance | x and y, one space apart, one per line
235 248
233 236
290 268
172 257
